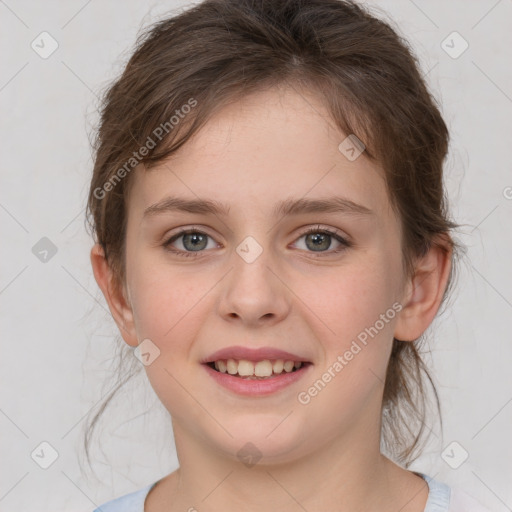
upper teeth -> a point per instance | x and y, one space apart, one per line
263 368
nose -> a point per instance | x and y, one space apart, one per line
255 292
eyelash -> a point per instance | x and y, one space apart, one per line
345 244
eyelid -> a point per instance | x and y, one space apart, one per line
328 229
184 231
340 237
343 239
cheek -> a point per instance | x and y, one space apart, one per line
339 308
169 311
165 301
345 301
356 311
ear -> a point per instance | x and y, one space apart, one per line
118 304
424 292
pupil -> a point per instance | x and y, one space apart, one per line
317 239
196 241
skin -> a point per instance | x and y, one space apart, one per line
272 145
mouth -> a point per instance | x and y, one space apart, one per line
255 372
266 369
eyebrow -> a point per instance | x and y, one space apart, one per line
284 208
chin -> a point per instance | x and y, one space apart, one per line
263 439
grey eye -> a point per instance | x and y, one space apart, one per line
191 241
319 240
195 241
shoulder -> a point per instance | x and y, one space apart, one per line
442 498
133 502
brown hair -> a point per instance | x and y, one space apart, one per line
221 50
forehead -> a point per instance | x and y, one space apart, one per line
273 144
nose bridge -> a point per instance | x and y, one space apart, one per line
253 291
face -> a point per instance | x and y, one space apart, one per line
248 280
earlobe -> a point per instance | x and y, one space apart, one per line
119 306
424 293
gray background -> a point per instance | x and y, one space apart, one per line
58 342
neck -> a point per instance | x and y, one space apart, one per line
339 476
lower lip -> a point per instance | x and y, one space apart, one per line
255 387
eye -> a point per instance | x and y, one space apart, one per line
193 241
320 240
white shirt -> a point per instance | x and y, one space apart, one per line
441 498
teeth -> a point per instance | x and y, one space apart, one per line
261 369
232 366
288 366
278 366
245 368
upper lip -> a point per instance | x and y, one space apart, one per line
253 354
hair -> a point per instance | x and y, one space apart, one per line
219 51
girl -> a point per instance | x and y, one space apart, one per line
273 241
